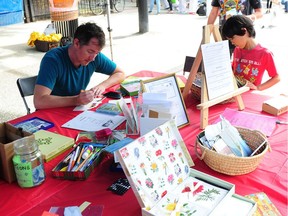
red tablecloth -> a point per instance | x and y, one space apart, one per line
270 176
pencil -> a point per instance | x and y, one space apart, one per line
80 155
83 162
71 161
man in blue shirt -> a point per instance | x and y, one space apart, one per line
66 71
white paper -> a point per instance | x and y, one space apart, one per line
90 105
170 88
93 121
218 70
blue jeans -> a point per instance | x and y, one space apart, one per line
152 5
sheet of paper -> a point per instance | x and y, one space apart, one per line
218 71
263 123
90 105
93 121
171 89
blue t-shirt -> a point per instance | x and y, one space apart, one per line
59 74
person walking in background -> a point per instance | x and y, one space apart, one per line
170 6
165 4
224 9
182 6
285 3
268 6
250 59
158 6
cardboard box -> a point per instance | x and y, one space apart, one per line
276 106
8 136
158 167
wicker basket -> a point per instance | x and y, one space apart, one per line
45 46
196 91
233 165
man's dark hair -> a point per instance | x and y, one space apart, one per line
89 30
235 24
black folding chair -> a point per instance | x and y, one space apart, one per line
26 88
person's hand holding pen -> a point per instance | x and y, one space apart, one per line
85 97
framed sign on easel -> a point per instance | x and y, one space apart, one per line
218 83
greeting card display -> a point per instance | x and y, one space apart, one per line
157 166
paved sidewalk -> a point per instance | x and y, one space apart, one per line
170 38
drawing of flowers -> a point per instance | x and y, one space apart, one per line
136 152
153 141
165 167
164 193
159 131
142 166
148 154
154 167
170 178
149 183
142 141
172 157
133 169
198 189
166 145
174 143
171 205
186 169
124 153
158 154
181 157
155 195
208 195
177 169
180 180
187 190
167 129
161 182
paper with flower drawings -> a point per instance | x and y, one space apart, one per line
159 166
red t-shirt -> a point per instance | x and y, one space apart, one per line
251 64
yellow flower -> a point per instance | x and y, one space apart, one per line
171 206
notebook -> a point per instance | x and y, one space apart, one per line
52 144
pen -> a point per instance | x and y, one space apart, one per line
281 122
80 155
75 157
78 159
70 162
83 162
90 160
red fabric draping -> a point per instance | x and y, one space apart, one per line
270 176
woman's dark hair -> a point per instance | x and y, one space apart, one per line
86 31
235 24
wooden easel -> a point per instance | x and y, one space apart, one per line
205 102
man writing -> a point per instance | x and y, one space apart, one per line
66 71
